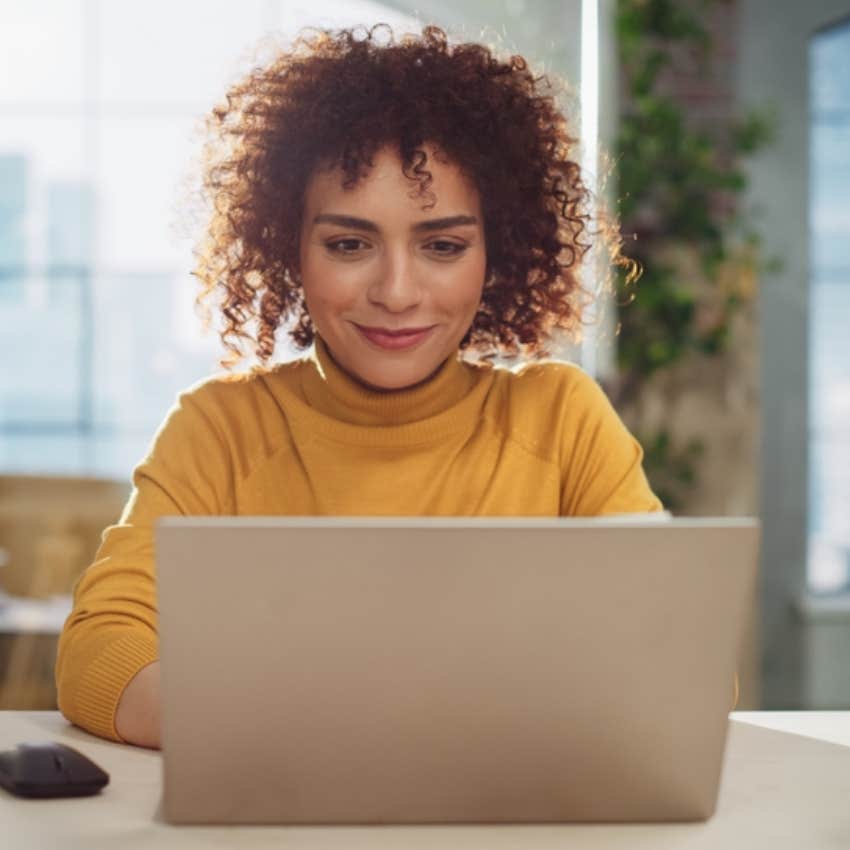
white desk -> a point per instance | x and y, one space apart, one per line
786 784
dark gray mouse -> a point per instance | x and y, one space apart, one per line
49 769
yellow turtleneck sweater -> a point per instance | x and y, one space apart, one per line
304 438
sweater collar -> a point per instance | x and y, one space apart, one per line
329 390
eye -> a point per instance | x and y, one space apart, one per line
444 248
346 247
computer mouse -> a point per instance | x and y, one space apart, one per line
49 769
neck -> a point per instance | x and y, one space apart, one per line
372 387
336 392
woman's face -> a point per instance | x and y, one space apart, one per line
391 287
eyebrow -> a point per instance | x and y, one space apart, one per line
420 227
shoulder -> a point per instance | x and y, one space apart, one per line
550 388
538 403
554 378
235 395
214 434
563 412
236 411
232 393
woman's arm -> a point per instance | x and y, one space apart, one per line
109 645
137 718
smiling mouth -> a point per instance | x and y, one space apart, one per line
399 332
395 339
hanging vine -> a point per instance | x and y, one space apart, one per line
680 182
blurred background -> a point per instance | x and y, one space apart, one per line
717 130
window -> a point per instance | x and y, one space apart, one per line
100 108
829 339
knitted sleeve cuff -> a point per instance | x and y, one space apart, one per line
90 699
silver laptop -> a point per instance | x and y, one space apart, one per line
377 671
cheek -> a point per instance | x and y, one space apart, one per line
327 286
324 298
468 287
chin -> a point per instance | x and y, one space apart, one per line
388 371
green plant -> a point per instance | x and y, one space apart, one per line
673 467
680 182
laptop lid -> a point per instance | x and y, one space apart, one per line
334 670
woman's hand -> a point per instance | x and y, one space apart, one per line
137 719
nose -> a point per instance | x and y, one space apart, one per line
394 286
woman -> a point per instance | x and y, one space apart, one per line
398 204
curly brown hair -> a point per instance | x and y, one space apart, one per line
336 97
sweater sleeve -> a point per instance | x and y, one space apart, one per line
601 464
111 632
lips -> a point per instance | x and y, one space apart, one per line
395 339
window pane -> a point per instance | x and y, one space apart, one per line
41 177
44 339
142 163
165 54
141 360
45 452
333 13
829 311
41 52
45 233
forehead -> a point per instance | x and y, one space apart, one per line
384 192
